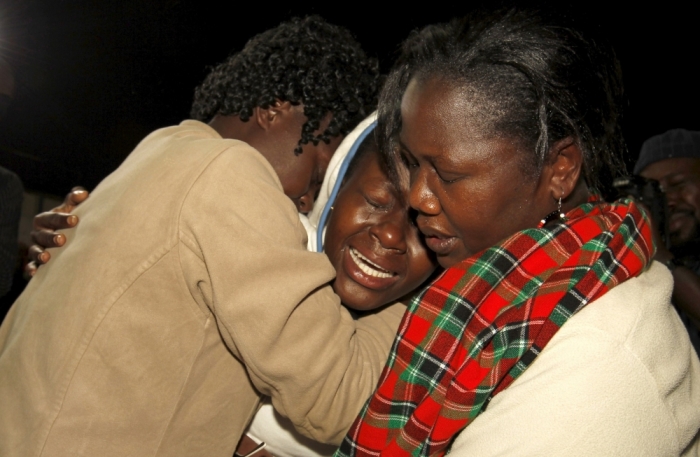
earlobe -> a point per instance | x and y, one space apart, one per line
565 167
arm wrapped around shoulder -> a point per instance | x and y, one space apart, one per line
271 298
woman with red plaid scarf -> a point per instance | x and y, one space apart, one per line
551 330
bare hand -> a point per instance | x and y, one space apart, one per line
44 234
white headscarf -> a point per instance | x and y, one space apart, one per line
315 223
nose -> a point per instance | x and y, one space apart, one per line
420 197
305 203
390 232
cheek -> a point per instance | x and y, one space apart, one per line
293 184
693 199
343 286
331 244
298 176
342 224
468 211
421 264
491 214
421 268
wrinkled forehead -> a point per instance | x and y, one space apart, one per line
453 104
491 99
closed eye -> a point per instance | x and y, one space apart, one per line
408 159
372 203
377 196
376 203
448 178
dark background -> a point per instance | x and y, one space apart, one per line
94 77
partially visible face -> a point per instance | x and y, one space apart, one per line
301 175
376 249
680 180
471 190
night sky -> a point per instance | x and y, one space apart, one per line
94 77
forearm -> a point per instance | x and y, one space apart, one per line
320 380
271 299
351 381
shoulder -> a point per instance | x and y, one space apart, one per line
619 378
639 321
227 155
235 186
196 150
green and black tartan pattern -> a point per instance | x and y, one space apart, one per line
482 323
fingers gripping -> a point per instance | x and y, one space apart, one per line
46 224
76 196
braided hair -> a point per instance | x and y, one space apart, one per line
304 61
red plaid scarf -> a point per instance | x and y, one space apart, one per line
482 323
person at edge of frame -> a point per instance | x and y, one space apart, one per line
673 159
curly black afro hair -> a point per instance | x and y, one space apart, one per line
304 61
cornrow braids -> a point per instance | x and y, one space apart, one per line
303 61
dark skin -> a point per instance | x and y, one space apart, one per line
471 188
680 180
274 131
374 246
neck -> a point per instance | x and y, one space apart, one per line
231 127
579 196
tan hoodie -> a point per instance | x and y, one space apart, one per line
186 294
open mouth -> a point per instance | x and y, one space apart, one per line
367 266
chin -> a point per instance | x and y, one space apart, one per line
360 305
355 297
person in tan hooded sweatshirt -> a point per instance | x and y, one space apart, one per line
181 301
